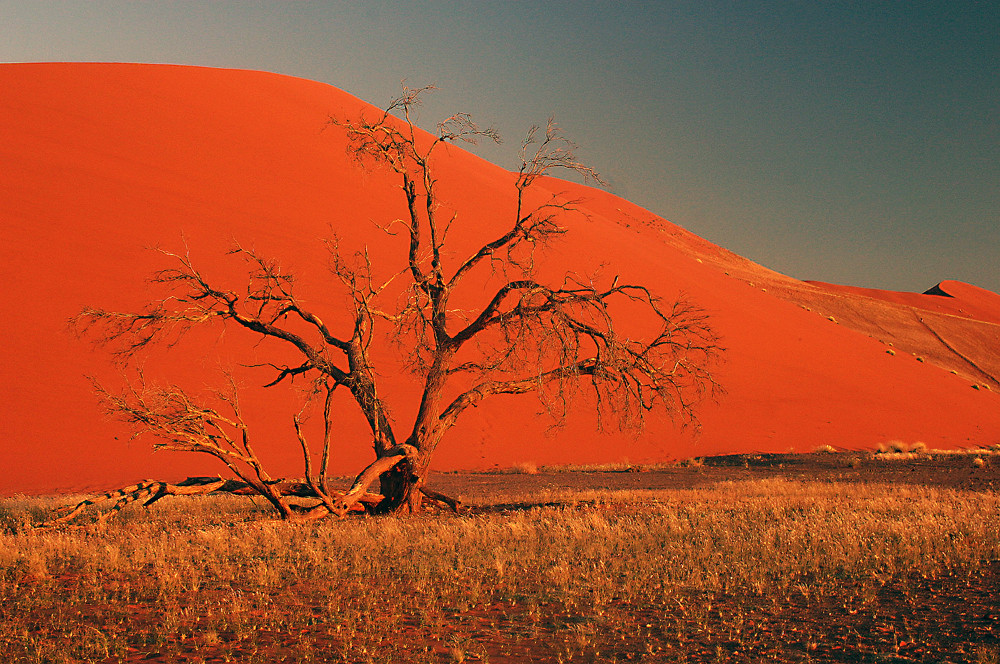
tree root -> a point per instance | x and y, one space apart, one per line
439 498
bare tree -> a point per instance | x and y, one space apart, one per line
527 335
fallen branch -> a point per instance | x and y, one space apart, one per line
355 499
152 491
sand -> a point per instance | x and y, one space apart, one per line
103 161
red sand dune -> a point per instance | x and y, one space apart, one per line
100 161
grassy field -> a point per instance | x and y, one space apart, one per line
731 562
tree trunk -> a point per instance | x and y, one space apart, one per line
402 486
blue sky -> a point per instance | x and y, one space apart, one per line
852 142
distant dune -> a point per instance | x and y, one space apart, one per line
101 161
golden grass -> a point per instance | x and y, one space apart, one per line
204 577
529 468
899 451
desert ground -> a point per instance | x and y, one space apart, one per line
821 557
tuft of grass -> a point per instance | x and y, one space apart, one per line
523 468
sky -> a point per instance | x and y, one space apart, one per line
848 142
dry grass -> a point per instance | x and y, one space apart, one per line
523 468
900 451
530 468
724 572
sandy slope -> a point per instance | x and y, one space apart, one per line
101 161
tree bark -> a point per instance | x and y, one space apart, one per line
403 485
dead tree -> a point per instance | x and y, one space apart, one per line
527 335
